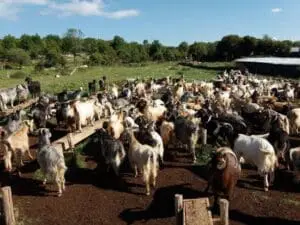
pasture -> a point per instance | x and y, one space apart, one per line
80 78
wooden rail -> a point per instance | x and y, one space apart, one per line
18 107
69 141
7 207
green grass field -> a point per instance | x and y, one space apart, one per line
116 74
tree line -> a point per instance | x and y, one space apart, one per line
49 51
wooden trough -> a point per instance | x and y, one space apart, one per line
68 142
18 107
196 212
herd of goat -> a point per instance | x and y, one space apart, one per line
248 119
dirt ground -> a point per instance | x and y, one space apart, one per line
94 196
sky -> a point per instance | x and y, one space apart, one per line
170 21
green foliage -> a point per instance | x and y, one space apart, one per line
204 154
118 50
95 59
53 58
18 56
19 75
9 42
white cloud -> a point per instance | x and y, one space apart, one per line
276 10
9 9
122 13
87 8
9 12
20 2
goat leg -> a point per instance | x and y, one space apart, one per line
29 155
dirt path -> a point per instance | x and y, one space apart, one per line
99 198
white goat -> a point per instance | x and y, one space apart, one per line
115 125
294 119
51 161
259 152
84 113
114 91
142 158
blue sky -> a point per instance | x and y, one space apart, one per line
170 21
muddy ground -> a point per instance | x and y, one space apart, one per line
94 196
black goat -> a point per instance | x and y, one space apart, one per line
92 87
34 87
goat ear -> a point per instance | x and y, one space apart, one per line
3 133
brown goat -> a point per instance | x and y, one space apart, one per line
15 145
226 171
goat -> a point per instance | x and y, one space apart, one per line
116 127
34 87
186 131
142 158
92 87
112 150
225 172
22 92
257 151
16 145
7 96
51 160
294 118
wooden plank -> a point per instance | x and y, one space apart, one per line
8 209
63 144
294 138
18 107
196 212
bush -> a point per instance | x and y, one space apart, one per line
18 56
95 59
18 75
39 67
205 153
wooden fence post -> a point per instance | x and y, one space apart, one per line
179 209
224 211
8 208
204 136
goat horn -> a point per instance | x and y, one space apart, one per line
221 165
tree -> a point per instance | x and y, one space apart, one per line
156 51
229 47
9 42
53 58
171 54
72 41
199 51
183 49
38 46
2 50
18 56
26 42
117 43
248 45
90 45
